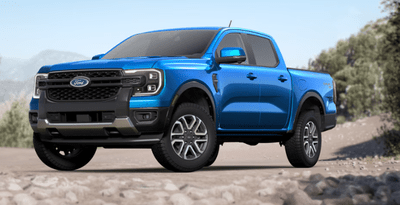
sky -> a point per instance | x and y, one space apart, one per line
302 29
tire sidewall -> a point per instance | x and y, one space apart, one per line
310 161
211 144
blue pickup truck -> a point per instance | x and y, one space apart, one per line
182 93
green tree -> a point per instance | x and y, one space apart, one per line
15 130
354 65
391 59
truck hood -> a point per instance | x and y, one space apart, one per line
124 63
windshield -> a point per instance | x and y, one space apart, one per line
189 43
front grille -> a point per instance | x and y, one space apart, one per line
104 84
90 93
89 74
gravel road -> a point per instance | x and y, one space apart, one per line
350 171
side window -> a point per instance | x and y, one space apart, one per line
263 50
232 40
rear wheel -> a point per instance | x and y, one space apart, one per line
190 141
63 157
304 147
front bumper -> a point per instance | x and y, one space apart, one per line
110 123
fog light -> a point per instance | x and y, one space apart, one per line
33 117
151 88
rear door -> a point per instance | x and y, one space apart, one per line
275 83
239 91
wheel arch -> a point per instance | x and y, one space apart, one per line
199 94
308 102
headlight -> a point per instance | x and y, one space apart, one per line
154 81
36 91
334 92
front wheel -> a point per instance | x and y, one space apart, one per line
63 157
190 140
304 147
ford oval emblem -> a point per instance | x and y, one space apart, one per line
80 81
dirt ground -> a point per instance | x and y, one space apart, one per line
347 149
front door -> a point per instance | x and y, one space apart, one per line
239 90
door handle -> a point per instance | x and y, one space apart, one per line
251 76
282 78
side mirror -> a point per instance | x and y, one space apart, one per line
97 57
231 55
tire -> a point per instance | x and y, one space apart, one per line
190 140
63 157
304 147
213 157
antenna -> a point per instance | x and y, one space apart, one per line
230 23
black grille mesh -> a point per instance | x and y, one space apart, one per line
89 74
91 93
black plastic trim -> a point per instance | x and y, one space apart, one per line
183 88
305 97
157 125
330 121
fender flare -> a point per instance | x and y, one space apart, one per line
303 99
182 89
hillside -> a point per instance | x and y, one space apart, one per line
16 75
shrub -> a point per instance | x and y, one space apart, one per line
390 139
340 119
15 130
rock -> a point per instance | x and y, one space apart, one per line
40 193
24 199
196 193
322 185
332 182
270 183
114 183
394 198
361 199
316 177
5 194
109 192
237 191
170 187
257 202
338 201
159 201
25 184
128 194
71 196
266 192
348 178
284 173
211 201
306 174
43 181
5 201
298 197
313 190
161 194
79 190
393 181
96 202
382 194
180 199
289 186
228 197
53 201
14 187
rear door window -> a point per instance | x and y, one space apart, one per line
263 50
